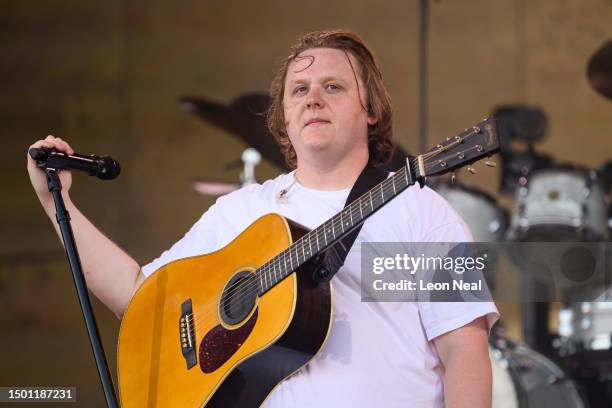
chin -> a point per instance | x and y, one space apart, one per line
317 141
317 145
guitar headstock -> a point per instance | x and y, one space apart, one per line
472 144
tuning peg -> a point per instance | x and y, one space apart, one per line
471 170
453 177
490 163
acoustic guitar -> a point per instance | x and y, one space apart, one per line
224 328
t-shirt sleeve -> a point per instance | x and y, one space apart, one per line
442 317
200 239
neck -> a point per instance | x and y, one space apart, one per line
330 175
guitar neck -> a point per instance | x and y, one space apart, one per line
333 230
467 147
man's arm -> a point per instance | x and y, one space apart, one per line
111 274
464 353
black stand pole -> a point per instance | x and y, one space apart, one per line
63 219
423 77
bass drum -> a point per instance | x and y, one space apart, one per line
485 218
523 378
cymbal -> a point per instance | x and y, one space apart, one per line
599 70
245 118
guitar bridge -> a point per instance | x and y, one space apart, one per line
187 334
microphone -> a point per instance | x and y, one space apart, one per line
103 167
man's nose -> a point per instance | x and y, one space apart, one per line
315 99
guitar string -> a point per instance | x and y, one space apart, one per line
276 261
250 285
247 288
263 270
273 263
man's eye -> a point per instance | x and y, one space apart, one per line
333 87
299 90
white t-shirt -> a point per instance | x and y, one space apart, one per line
377 353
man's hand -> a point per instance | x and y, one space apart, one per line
464 353
38 176
111 274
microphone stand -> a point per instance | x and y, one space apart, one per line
423 74
63 219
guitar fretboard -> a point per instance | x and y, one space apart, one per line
315 242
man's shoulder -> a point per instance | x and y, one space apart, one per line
424 197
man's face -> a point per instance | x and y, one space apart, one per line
324 115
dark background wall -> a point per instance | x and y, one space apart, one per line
106 77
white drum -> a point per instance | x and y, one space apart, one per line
560 205
523 378
485 218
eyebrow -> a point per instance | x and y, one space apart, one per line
324 79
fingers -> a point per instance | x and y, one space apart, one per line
52 142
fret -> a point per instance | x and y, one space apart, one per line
309 244
281 271
324 234
393 181
382 192
261 284
341 221
290 260
318 246
303 254
360 208
371 204
285 261
333 228
276 273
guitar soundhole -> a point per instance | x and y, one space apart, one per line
238 298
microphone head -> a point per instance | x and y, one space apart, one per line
110 168
39 154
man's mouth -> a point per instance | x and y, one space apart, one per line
316 121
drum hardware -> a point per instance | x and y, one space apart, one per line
599 70
526 125
523 378
586 326
250 159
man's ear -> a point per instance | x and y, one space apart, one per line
372 120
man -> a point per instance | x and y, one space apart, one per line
331 116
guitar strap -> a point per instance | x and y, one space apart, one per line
334 257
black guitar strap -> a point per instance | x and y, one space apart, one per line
334 257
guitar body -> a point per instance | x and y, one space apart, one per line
185 341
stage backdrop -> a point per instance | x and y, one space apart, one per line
106 77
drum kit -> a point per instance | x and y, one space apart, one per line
552 202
